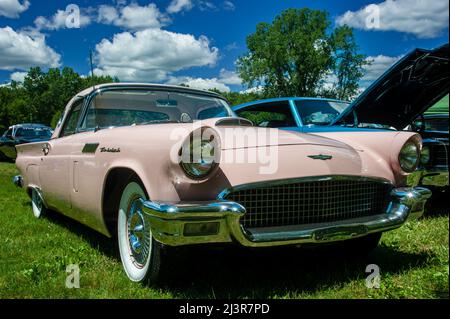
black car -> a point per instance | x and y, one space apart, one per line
435 133
21 134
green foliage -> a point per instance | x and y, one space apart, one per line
413 261
440 107
42 96
55 119
236 98
259 117
295 54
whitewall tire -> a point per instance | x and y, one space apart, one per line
37 204
139 252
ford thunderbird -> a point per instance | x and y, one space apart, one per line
159 166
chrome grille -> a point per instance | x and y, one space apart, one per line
440 155
311 202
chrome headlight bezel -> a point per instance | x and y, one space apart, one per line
409 156
200 154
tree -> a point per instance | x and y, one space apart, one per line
348 63
42 96
297 53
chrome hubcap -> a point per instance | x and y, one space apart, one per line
138 234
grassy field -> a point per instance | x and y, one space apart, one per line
34 254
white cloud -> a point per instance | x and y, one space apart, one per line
18 76
133 16
62 19
176 6
152 55
200 83
256 89
229 77
205 5
425 19
231 46
19 50
380 64
330 81
13 8
228 5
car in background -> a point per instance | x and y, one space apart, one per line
392 103
22 134
434 160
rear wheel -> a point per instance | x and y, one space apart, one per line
140 254
37 204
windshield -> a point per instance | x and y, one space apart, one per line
319 112
28 132
139 106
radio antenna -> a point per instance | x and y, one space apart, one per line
92 68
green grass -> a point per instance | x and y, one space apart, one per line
34 254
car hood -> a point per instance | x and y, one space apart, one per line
406 90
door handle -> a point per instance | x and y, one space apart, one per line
45 149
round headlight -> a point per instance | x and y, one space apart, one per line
409 157
199 156
425 155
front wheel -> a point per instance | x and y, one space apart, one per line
139 252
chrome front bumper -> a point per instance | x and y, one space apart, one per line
218 222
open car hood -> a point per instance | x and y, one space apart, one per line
406 90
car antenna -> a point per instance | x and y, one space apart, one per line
92 66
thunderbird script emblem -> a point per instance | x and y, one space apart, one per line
321 157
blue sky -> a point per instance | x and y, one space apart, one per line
192 41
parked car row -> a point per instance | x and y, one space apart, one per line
162 166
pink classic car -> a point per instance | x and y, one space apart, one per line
158 166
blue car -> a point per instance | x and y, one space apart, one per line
394 101
301 114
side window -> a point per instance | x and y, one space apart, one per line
9 133
70 126
277 114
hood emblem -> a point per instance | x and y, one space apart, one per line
321 157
